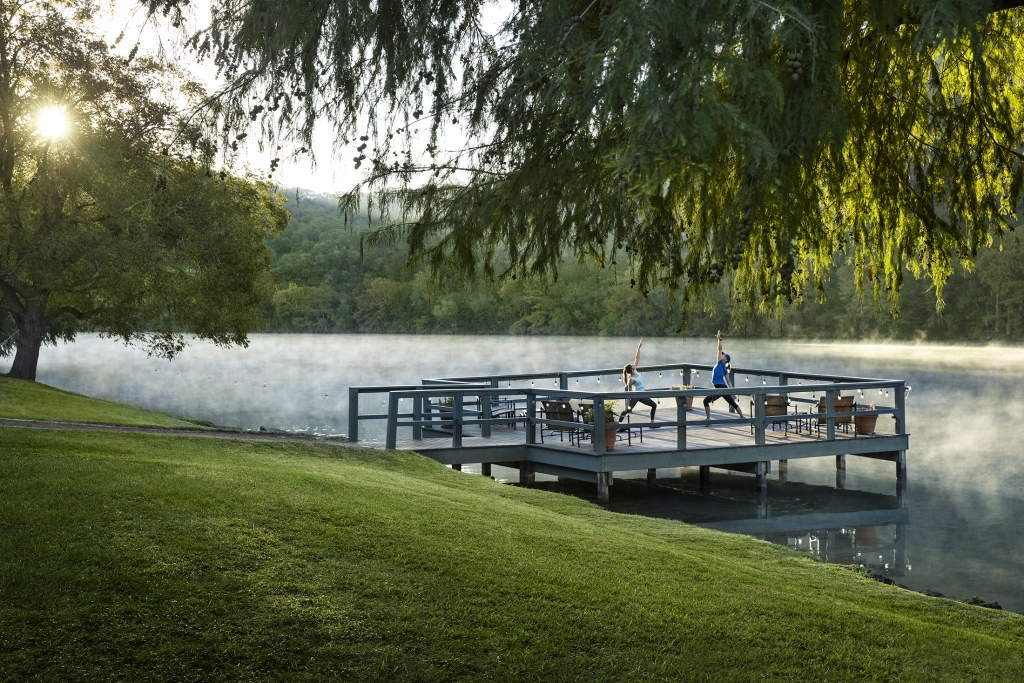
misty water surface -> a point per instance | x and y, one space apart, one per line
965 417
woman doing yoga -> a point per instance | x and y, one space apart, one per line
634 381
720 380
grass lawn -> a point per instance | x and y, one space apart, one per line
131 557
24 400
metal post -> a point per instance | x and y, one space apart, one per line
681 419
485 414
417 416
353 414
531 412
759 418
457 421
599 431
391 441
830 421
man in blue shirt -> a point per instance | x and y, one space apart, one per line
720 380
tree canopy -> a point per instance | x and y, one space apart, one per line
111 218
742 140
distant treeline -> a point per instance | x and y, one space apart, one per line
324 285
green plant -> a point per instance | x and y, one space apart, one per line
446 401
609 413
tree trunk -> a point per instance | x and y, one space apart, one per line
31 330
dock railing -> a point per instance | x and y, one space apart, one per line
475 399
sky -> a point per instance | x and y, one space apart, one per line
331 175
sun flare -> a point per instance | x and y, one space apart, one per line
52 123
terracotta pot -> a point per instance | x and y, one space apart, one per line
865 423
689 402
611 429
446 412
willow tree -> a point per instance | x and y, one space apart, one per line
710 140
110 217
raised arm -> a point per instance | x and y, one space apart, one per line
719 338
636 360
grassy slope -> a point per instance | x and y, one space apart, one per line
127 557
23 400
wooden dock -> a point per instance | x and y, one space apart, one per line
477 420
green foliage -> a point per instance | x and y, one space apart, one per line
120 226
323 286
732 141
128 557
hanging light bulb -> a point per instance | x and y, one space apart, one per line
659 375
326 395
264 386
598 380
179 373
748 378
577 382
764 381
879 392
886 392
209 379
510 384
531 382
236 381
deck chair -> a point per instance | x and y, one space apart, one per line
774 405
842 404
561 411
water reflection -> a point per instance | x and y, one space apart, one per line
964 502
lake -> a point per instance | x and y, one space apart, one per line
965 412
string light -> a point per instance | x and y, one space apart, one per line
236 381
264 386
748 378
598 380
326 395
764 381
659 375
577 382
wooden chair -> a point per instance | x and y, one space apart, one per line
561 411
774 406
841 404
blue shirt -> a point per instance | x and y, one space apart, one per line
718 376
638 382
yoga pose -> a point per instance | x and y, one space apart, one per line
720 380
634 381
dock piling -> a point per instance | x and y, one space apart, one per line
783 470
602 487
705 479
762 476
652 475
485 469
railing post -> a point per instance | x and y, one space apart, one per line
417 415
353 414
783 380
901 409
759 418
485 413
531 410
563 381
391 441
457 421
732 383
830 421
681 419
599 435
686 375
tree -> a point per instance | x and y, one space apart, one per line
116 224
738 139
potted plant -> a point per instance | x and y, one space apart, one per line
611 426
681 387
865 424
445 406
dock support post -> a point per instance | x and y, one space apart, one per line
457 421
681 419
783 470
901 468
841 462
457 467
830 422
353 414
527 473
485 414
705 479
762 477
391 440
417 415
531 412
840 479
602 487
652 475
764 510
485 469
759 418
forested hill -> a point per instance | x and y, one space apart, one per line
324 286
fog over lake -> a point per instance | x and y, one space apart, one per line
964 414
